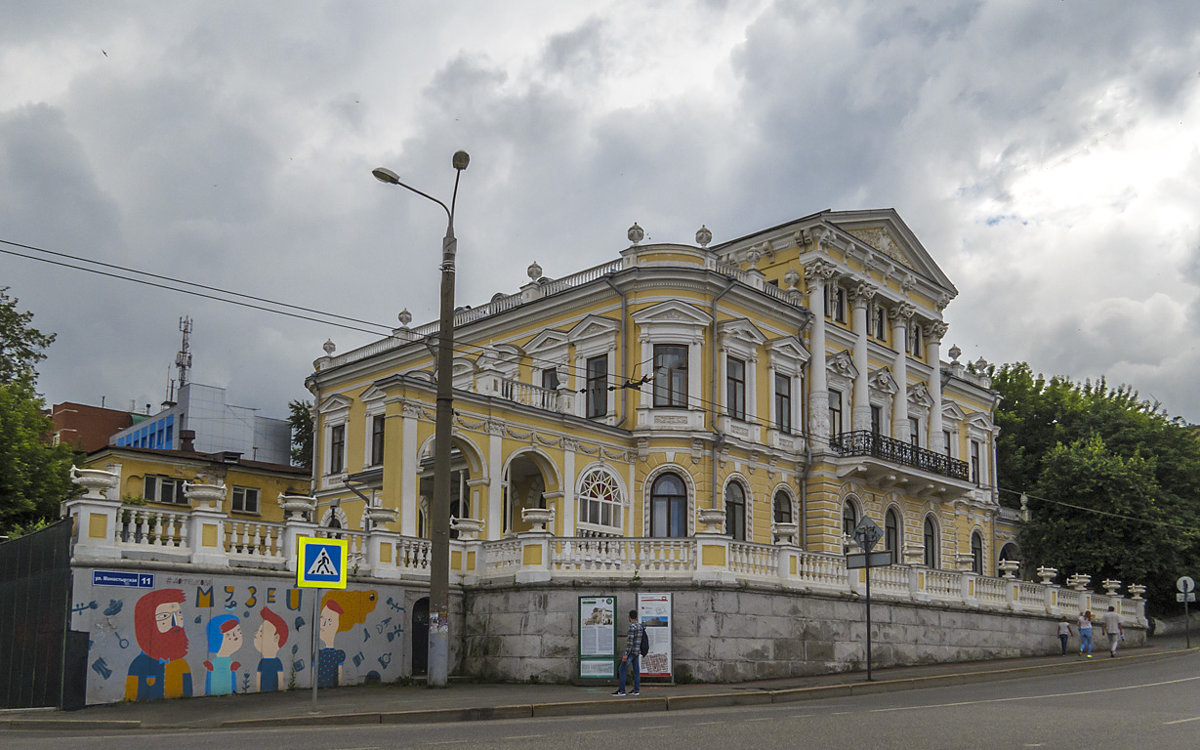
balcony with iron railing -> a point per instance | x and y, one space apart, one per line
891 450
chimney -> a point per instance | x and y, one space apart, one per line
186 438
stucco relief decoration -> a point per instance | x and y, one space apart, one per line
919 395
841 364
937 331
817 273
864 293
903 311
882 381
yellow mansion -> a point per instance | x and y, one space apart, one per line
776 388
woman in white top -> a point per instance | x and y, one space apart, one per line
1085 633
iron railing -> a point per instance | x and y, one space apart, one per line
867 443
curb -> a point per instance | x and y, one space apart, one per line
609 706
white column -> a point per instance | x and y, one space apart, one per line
496 488
900 317
408 470
816 275
568 487
937 330
863 294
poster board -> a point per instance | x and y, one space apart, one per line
654 612
597 637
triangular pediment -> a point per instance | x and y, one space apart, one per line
788 347
980 419
918 395
672 311
592 325
546 340
953 412
372 393
842 364
891 240
881 380
335 402
742 330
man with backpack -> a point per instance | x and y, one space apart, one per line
636 647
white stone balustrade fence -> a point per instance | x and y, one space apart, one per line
109 531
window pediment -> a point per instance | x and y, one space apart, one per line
335 404
882 381
918 395
787 350
672 313
591 327
842 364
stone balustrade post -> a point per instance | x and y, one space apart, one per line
535 556
95 514
206 524
918 584
970 590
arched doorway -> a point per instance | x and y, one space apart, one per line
420 636
527 479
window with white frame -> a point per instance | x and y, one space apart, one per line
891 533
783 403
915 347
596 389
879 323
975 462
735 511
835 412
735 387
164 489
337 449
931 542
600 502
378 426
782 507
976 553
835 302
245 500
670 375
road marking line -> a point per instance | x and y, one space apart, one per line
1181 721
657 726
1035 697
593 731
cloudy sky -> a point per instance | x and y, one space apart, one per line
1045 152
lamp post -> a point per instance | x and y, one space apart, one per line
439 564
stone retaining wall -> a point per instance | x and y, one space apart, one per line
734 633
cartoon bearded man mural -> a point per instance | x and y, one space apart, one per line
159 671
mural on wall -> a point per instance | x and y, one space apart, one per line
159 671
189 635
340 612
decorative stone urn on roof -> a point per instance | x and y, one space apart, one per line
95 481
297 506
204 496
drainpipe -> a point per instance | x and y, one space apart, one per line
718 436
621 351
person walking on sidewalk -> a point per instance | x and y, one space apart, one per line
1085 633
632 653
1064 633
1113 629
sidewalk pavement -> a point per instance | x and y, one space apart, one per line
467 701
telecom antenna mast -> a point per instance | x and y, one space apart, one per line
183 360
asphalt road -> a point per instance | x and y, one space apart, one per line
1143 703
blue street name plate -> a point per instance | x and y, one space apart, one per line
123 579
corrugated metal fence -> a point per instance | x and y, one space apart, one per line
35 606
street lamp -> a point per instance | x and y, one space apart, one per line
439 564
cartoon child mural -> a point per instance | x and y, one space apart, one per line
159 671
340 611
224 640
270 636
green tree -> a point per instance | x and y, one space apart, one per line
301 419
34 475
1113 480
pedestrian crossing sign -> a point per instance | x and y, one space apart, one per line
321 563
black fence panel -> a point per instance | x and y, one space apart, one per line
35 606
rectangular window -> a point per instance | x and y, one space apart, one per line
337 449
245 499
735 388
880 323
670 375
914 431
378 424
597 386
839 305
946 443
783 403
876 419
835 413
550 379
975 468
160 489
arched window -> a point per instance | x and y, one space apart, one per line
891 534
668 507
1010 552
735 511
600 502
783 507
849 517
931 543
976 553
